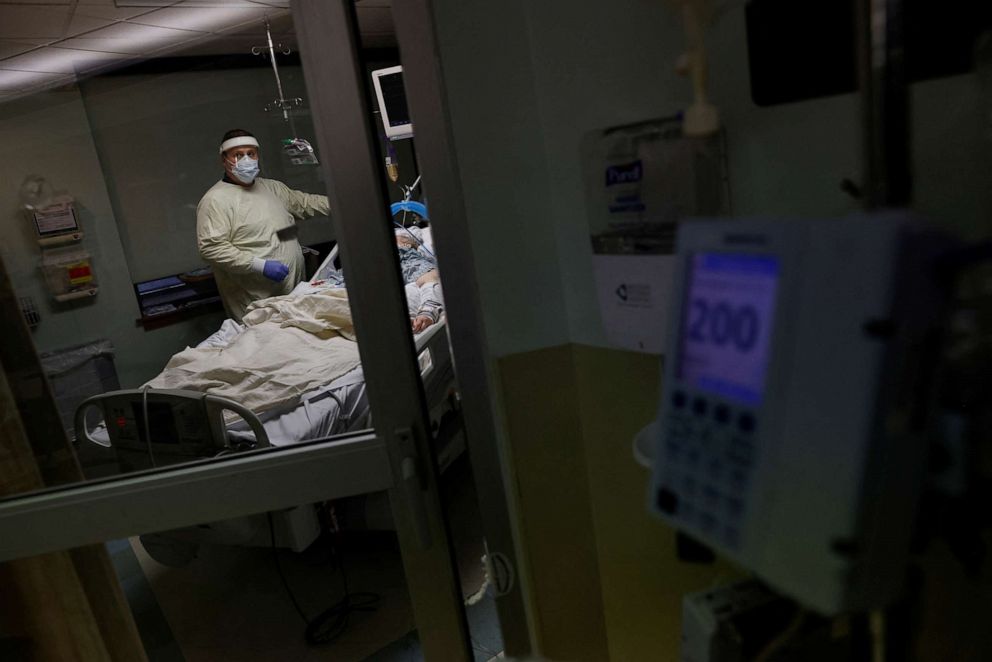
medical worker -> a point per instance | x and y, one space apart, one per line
236 225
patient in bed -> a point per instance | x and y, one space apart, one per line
419 270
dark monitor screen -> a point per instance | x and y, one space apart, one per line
394 96
725 340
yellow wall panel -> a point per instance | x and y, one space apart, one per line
605 579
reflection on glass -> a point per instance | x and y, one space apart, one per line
266 586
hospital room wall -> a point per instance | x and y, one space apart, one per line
49 134
157 128
137 151
570 405
598 65
589 66
157 132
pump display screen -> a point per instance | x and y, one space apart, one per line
725 340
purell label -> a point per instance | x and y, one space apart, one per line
623 187
627 173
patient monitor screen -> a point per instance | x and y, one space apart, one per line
725 338
394 98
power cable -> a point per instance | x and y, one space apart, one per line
331 623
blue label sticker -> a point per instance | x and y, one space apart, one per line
627 173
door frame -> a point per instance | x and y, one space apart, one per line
341 105
168 498
427 98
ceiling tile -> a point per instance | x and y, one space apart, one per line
239 45
137 32
11 47
32 22
129 38
280 24
203 19
273 4
17 81
81 24
61 61
110 11
278 4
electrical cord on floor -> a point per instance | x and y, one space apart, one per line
331 623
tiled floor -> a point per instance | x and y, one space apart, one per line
230 604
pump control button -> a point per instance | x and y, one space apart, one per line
667 501
721 414
700 406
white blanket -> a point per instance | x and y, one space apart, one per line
291 345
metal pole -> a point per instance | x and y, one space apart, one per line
885 103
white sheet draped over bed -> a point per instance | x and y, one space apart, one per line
291 345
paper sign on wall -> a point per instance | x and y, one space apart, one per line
640 181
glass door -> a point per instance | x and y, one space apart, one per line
141 470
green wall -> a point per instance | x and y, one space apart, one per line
49 134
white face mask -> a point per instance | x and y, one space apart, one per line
245 169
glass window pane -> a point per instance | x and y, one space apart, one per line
134 252
146 256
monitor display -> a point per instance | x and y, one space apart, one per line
725 340
391 98
394 97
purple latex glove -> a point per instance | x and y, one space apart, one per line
275 270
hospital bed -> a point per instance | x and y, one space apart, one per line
144 428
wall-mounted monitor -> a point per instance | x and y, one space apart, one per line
391 97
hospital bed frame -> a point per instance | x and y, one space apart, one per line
155 427
150 427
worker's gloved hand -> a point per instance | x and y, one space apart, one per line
275 270
272 269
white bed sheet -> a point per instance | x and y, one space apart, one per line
336 408
339 407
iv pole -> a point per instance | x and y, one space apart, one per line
295 147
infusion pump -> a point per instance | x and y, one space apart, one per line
791 428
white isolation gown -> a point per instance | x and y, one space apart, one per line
235 224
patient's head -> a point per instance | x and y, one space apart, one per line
406 241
